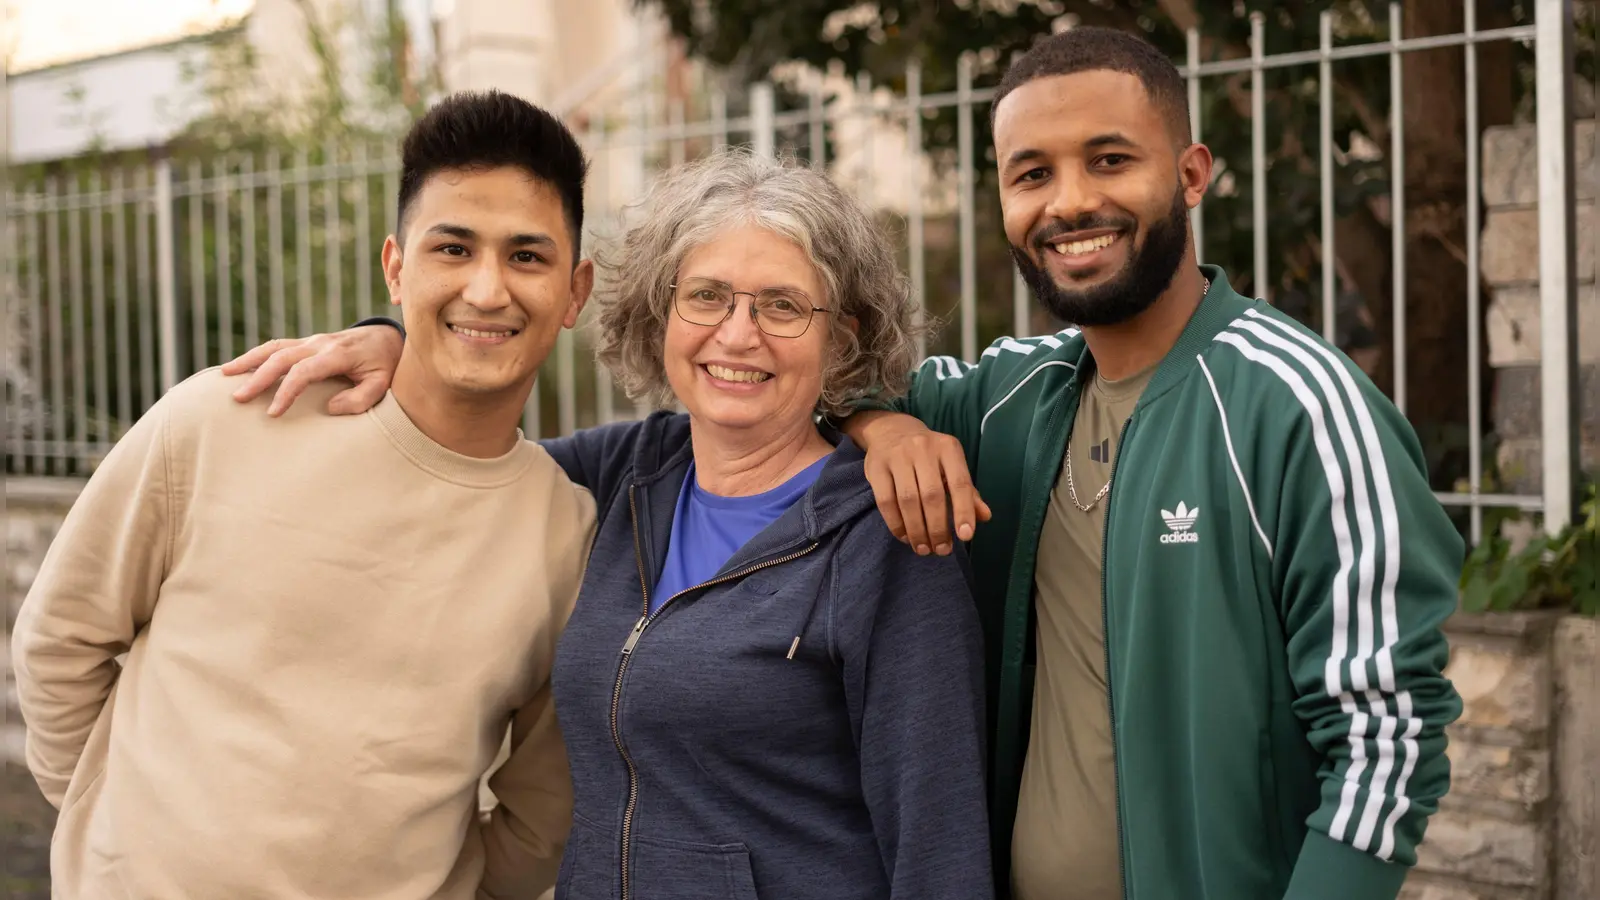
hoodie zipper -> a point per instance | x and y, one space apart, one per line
645 618
1105 631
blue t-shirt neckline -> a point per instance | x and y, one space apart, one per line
701 542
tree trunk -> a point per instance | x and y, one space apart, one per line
1436 197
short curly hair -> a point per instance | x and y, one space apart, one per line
695 202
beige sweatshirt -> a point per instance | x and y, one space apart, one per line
329 623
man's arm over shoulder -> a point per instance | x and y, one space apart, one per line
96 588
1366 568
951 396
907 632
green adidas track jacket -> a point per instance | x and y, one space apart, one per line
1276 572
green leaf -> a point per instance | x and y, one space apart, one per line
1510 590
1475 595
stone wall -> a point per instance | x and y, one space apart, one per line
1519 822
1510 266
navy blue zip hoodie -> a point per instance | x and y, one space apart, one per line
808 725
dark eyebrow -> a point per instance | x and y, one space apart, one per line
1109 139
1025 155
517 240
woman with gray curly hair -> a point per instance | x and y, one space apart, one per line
763 693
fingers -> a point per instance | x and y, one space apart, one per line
931 494
908 496
310 369
964 498
268 371
882 482
252 358
364 396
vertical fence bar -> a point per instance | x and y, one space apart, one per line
1330 255
331 238
224 238
197 270
144 221
97 296
247 241
391 196
676 147
918 252
1558 369
119 224
1397 205
1474 295
1197 216
98 324
968 240
58 373
719 118
1258 151
566 384
36 338
866 106
302 234
363 259
816 126
277 302
80 363
166 274
763 132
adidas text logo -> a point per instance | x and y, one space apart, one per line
1179 522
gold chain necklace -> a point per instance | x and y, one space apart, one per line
1072 488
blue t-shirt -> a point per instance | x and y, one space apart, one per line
707 529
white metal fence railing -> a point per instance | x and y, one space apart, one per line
125 279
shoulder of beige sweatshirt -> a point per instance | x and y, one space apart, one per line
103 576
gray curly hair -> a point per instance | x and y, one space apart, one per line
690 205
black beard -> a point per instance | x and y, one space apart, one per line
1147 274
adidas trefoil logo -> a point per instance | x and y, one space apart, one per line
1179 522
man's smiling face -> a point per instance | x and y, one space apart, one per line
1095 208
485 278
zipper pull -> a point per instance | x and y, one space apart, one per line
633 638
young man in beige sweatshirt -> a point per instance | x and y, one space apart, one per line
330 621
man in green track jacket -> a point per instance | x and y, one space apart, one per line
1213 572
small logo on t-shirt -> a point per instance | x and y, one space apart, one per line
1101 452
1179 522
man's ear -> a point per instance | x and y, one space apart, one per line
1194 173
391 268
582 287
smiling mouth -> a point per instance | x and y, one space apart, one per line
746 376
475 333
1085 247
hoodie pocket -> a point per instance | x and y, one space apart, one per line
589 869
676 870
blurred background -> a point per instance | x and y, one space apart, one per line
1417 181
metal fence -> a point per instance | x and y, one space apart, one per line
128 278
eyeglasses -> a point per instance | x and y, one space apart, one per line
779 312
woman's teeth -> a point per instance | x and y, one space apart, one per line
744 375
1078 248
472 332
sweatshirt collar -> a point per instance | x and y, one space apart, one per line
444 463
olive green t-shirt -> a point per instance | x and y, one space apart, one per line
1064 842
